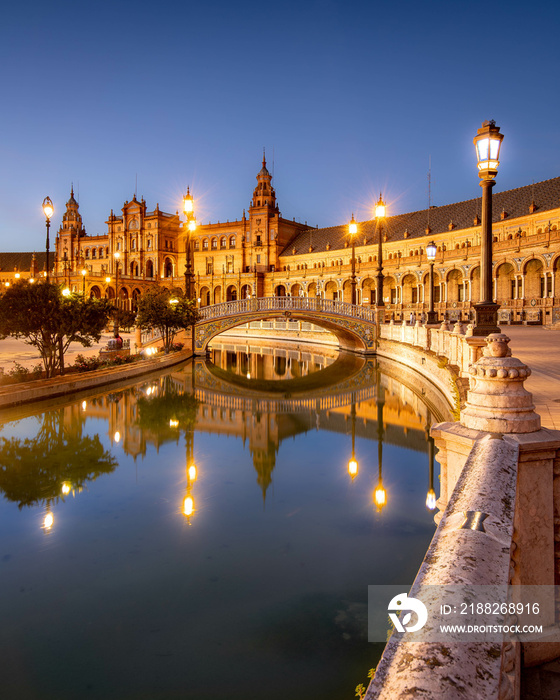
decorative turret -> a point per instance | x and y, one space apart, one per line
72 219
264 194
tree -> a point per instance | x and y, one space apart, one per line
166 312
44 318
123 318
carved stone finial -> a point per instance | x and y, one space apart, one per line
497 401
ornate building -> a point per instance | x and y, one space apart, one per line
262 253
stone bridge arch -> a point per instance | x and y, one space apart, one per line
353 326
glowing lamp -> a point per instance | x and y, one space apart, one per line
66 292
352 227
353 467
431 499
117 436
48 208
431 250
192 473
488 141
380 208
188 506
48 521
192 224
84 272
380 496
188 203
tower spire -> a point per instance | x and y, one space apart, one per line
264 158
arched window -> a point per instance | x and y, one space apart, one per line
87 253
232 241
94 252
205 244
101 252
223 242
214 244
197 245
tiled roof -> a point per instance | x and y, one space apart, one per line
8 261
517 202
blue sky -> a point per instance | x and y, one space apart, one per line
351 98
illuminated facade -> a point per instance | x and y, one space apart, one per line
263 254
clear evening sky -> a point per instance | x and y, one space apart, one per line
350 97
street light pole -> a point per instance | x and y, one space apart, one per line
431 250
487 141
48 210
353 230
84 273
117 256
380 211
188 208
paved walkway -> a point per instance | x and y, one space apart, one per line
540 349
12 351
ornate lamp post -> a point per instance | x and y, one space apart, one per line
431 250
380 213
487 141
48 210
117 256
353 230
84 273
188 208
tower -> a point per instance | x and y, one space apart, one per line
68 252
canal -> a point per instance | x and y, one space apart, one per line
212 531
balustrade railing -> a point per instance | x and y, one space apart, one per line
313 304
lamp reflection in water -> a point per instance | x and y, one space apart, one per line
188 501
380 494
353 463
48 520
431 495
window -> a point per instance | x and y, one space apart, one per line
223 242
258 259
414 295
94 252
149 243
232 242
214 244
87 253
229 266
205 244
101 252
209 267
197 245
258 241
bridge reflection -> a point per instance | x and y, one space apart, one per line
351 395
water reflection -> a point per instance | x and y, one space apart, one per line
234 540
59 459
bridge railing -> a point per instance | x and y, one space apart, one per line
313 304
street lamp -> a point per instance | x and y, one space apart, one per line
431 250
84 273
117 256
48 210
66 292
353 230
380 213
188 208
488 141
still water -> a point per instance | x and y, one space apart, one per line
198 534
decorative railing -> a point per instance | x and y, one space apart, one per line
281 304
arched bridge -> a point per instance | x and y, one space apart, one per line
354 326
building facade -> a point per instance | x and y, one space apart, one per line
263 254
